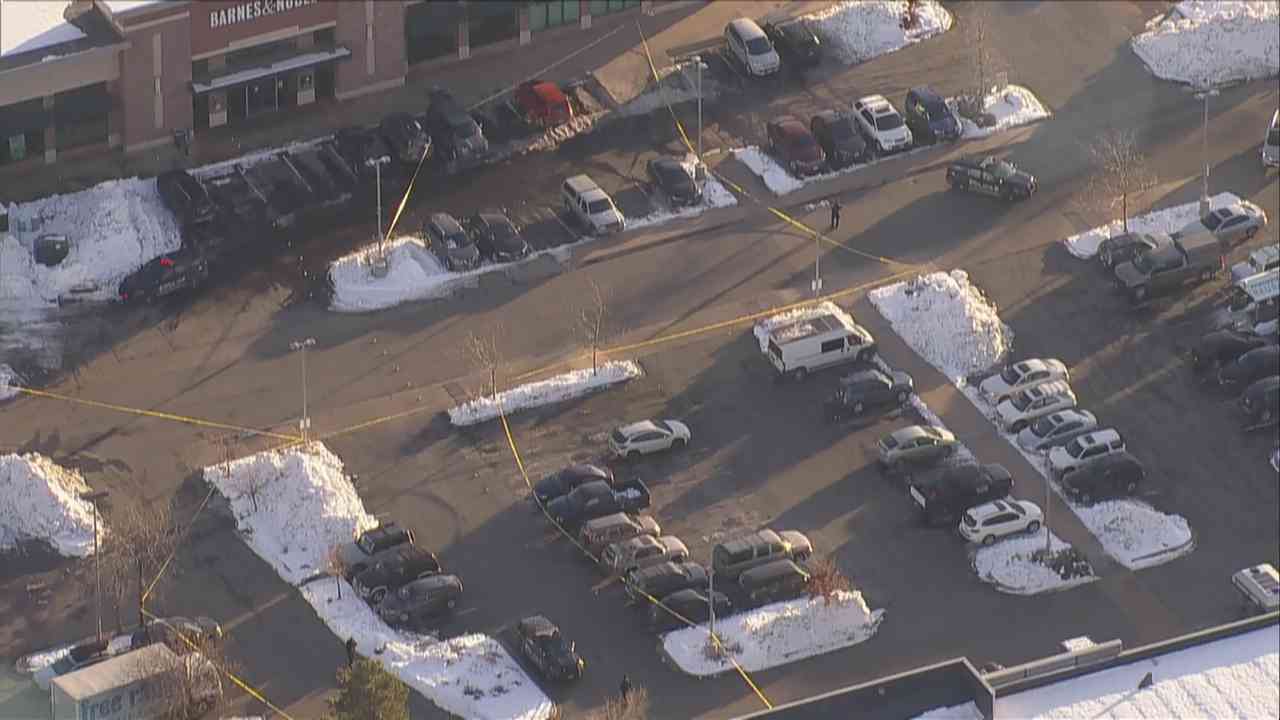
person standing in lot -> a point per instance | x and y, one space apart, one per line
351 651
835 214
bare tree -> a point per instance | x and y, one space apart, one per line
142 539
182 673
984 59
634 706
1120 170
484 351
591 319
336 568
826 580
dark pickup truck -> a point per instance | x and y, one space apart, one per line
1168 267
597 499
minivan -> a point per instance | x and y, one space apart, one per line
773 582
751 47
592 207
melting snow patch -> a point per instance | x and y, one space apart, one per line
967 711
858 31
562 387
1135 534
1012 567
714 195
40 500
1011 107
305 506
1208 43
776 634
762 328
1085 245
778 180
947 321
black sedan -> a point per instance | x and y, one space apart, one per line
497 238
1220 347
183 269
796 44
668 175
1250 367
991 176
1125 247
565 481
659 581
185 196
839 139
543 644
686 605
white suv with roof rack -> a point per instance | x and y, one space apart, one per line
1083 450
881 123
799 348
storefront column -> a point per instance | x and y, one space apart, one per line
525 36
584 14
50 134
464 39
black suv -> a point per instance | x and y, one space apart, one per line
689 605
497 238
839 139
1220 347
566 480
866 389
1251 367
943 495
1259 401
185 196
661 580
795 43
185 268
928 116
455 135
555 656
393 568
1113 474
991 176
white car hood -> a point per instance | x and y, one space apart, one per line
1007 411
993 386
1058 457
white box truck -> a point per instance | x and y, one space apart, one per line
131 686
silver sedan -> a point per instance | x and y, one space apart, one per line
1232 224
1056 429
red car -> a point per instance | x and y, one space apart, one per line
542 104
794 147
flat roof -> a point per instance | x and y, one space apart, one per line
808 328
119 7
119 670
34 24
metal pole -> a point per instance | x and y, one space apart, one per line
711 595
305 423
1048 536
817 264
378 172
93 498
1204 147
699 59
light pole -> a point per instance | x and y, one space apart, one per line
1048 536
94 497
1204 146
305 423
711 595
376 164
817 264
698 59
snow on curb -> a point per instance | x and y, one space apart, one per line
966 711
1085 245
855 32
1008 566
776 634
305 506
40 500
560 388
947 321
714 195
9 382
1013 106
778 180
1209 43
1136 534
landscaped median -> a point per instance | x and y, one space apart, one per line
566 386
1084 245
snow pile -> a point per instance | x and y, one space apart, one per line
1008 564
714 195
40 500
1208 43
1011 107
1085 245
857 30
777 179
967 711
549 140
762 328
306 505
776 634
1134 533
113 228
9 382
947 321
560 388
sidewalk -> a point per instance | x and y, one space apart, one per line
611 51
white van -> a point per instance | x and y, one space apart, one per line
592 206
1261 260
799 348
751 47
1253 305
1270 151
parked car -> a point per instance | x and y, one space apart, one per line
566 480
1023 408
358 554
731 558
186 268
186 197
1259 586
929 117
360 149
796 44
78 657
198 632
671 177
839 139
791 143
883 127
393 568
798 348
750 47
1252 304
1018 376
1259 400
687 606
916 444
542 104
648 436
496 237
601 532
1188 258
1250 367
774 581
659 581
450 243
421 600
1232 224
406 138
1270 150
1056 429
991 176
591 206
455 135
867 389
1126 246
942 495
643 551
1110 475
1260 260
1083 450
597 499
542 643
1221 347
991 521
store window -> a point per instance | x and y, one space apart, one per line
326 38
543 15
80 116
22 133
431 30
492 22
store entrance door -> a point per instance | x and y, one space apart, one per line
261 97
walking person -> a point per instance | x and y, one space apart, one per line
624 689
835 214
351 651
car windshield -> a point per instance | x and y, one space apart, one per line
1043 426
890 121
969 521
1074 448
595 207
1212 220
366 544
672 174
1011 375
761 46
936 110
502 231
889 441
618 437
1144 262
662 425
64 665
1021 400
1002 169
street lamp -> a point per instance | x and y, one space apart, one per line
711 595
94 497
817 264
376 164
305 423
1204 146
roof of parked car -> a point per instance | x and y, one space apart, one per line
641 426
747 28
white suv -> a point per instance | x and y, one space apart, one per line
987 523
592 206
1035 402
751 47
882 125
1084 450
648 436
